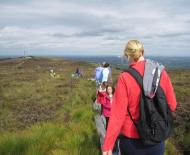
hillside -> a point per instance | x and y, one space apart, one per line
42 114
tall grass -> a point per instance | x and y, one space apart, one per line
49 138
72 130
170 148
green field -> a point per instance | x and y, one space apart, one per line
42 115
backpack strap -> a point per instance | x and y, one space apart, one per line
139 79
136 75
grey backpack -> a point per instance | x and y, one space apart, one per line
151 78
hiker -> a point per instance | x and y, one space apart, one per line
125 112
98 74
106 76
107 102
101 93
78 73
52 73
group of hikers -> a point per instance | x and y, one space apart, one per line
138 111
104 89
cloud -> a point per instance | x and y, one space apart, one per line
93 27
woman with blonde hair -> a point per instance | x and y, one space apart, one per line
126 98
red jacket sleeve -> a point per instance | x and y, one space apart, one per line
118 113
169 91
100 97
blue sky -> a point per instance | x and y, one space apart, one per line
94 27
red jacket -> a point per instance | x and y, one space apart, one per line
101 96
104 99
127 94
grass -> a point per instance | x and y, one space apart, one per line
170 148
41 115
39 139
180 80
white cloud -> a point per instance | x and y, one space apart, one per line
100 27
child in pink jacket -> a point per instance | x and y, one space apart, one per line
106 101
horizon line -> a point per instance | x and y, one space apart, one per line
86 55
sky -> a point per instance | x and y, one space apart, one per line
94 27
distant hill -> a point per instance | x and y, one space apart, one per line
121 62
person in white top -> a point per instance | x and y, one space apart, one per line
105 73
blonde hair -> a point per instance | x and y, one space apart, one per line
134 49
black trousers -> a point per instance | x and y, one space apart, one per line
107 121
130 146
